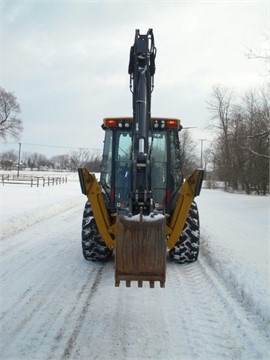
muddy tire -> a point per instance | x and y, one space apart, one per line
93 246
186 250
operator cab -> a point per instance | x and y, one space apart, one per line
163 157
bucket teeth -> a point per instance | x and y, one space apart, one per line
140 283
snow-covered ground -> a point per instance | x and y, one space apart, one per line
236 241
55 305
23 205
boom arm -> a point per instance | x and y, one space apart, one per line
141 69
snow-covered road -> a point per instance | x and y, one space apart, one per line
56 305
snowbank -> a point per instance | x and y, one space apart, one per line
235 241
23 205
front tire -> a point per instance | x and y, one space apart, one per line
93 246
186 250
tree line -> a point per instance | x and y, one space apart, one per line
238 154
240 149
67 162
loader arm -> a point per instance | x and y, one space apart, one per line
190 188
92 189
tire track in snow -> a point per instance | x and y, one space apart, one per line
196 316
81 317
31 256
189 319
232 274
240 318
221 319
29 286
195 312
55 328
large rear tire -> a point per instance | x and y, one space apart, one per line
186 250
93 246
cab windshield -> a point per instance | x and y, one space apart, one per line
116 166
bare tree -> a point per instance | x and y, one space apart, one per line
36 160
94 164
10 124
61 162
256 110
220 106
262 54
8 159
188 158
240 150
255 140
83 157
79 158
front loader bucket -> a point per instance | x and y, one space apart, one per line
140 250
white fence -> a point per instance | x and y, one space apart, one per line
32 180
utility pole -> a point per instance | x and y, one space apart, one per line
19 160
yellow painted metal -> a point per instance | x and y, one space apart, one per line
187 192
105 225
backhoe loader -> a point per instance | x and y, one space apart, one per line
141 210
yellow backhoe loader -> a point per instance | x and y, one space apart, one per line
141 211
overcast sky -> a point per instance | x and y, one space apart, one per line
66 62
